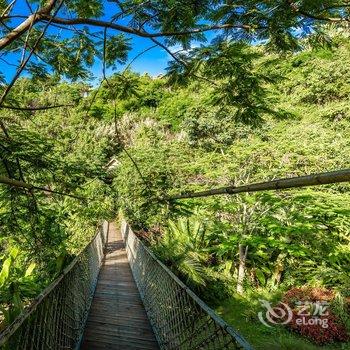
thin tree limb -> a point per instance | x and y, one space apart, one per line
115 110
130 30
21 184
40 108
183 63
24 63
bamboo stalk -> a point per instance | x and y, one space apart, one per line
279 184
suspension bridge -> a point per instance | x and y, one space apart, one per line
117 295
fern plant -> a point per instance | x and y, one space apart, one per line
183 248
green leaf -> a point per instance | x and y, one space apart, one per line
5 271
117 48
14 253
30 269
260 276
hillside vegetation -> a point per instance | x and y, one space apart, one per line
137 140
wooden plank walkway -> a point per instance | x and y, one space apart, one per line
117 319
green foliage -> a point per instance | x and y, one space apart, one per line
183 248
83 8
138 140
340 308
17 284
242 87
238 87
282 27
242 313
294 238
117 48
67 155
148 184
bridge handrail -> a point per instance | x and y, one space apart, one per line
180 319
56 318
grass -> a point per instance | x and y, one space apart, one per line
242 314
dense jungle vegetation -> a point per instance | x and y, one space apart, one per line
180 140
248 107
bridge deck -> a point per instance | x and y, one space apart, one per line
117 319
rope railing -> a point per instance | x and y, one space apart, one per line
56 318
180 320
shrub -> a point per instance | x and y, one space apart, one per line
322 328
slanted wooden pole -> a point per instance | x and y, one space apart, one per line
279 184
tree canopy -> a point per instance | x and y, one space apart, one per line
71 31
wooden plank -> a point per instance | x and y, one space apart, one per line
117 319
105 345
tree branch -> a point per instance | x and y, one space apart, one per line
306 14
182 62
17 75
20 184
41 108
25 25
24 63
130 30
116 130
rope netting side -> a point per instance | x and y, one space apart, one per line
180 320
56 318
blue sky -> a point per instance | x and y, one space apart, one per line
152 62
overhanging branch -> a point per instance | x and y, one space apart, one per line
130 30
39 108
20 184
25 25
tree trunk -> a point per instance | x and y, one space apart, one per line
279 268
243 251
